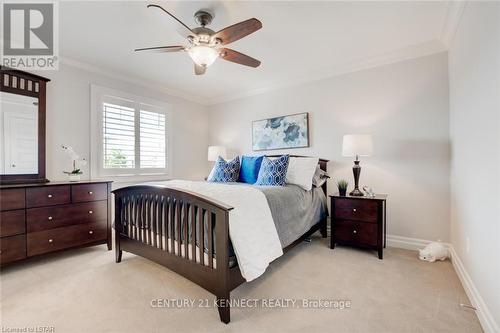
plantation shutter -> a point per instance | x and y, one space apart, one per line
152 139
118 136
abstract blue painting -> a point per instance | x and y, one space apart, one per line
281 132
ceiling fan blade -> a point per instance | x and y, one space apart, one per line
184 30
238 31
161 49
237 57
199 70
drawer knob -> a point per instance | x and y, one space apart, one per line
51 240
354 210
90 192
91 212
354 232
49 196
91 232
50 218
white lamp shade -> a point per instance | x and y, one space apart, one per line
357 145
215 151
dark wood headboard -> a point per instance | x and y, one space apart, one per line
322 165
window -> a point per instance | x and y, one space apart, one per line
130 136
118 136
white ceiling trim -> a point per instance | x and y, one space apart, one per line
133 80
406 53
451 22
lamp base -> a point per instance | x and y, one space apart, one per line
356 193
356 170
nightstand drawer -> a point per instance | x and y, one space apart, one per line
356 209
356 232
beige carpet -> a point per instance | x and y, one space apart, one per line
85 291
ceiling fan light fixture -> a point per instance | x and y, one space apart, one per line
203 55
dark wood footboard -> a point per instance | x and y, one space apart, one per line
184 231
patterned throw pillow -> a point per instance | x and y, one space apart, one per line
225 171
273 172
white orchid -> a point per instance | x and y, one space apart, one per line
71 153
77 161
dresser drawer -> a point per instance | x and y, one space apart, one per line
61 238
12 248
12 222
356 209
89 192
356 232
47 196
45 218
13 198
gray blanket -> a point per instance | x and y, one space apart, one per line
294 210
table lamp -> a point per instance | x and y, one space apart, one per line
357 145
215 151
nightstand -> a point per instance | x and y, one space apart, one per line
359 221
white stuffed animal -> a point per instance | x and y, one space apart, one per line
433 251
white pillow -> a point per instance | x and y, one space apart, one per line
301 171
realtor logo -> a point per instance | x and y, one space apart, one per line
29 35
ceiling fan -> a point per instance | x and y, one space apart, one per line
205 45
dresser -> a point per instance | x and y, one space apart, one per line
42 218
359 221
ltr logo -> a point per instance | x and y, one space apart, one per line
28 29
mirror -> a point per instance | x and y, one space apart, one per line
19 133
22 127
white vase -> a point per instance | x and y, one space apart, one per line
74 177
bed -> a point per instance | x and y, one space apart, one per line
193 229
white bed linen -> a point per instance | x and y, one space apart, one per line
251 226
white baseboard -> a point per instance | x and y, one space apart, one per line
483 313
407 242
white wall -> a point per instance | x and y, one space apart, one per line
403 105
474 66
68 122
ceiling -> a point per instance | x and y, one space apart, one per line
299 41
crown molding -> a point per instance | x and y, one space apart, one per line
452 19
402 54
133 80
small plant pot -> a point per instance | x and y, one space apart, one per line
342 192
74 177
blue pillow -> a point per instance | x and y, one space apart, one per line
225 171
273 172
250 166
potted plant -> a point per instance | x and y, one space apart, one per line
342 186
74 175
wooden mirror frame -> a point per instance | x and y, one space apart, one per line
22 83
